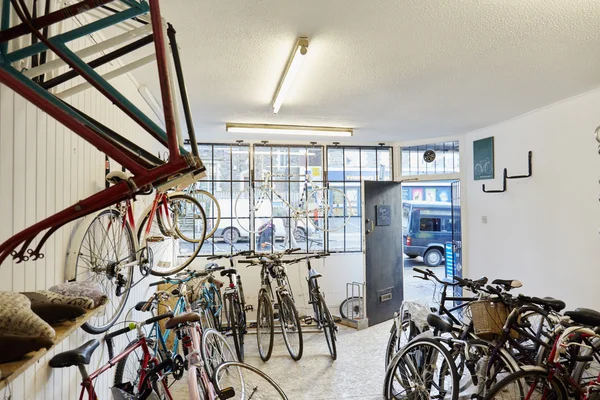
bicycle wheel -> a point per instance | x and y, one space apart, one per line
422 369
107 245
528 384
247 382
328 209
253 204
129 368
215 302
187 217
264 326
290 326
237 324
397 342
171 253
329 327
215 350
211 207
352 308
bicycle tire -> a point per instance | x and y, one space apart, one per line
262 206
235 324
425 353
265 325
326 213
519 381
290 325
192 210
352 308
215 350
208 207
328 327
394 345
249 377
107 223
165 244
215 301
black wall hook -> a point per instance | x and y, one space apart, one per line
504 176
530 169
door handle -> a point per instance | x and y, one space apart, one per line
368 221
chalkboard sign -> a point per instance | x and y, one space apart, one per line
384 215
483 159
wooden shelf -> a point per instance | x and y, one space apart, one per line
11 371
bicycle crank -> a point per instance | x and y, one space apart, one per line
178 367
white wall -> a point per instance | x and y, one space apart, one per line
43 169
337 270
542 230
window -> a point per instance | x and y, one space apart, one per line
227 173
294 172
347 167
447 160
430 224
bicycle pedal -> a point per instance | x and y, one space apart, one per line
226 393
275 315
249 307
155 239
308 320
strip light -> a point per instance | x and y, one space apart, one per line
288 130
291 69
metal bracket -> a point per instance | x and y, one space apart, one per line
503 185
530 171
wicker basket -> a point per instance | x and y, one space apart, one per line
488 317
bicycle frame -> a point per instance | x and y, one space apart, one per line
298 212
148 170
88 382
163 337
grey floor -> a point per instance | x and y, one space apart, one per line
356 374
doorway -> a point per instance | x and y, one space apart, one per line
431 235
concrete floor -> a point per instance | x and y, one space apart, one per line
357 373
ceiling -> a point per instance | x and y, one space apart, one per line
392 69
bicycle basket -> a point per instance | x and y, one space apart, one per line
488 317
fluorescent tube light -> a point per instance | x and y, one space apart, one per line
291 69
288 130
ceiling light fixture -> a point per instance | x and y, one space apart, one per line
291 69
288 130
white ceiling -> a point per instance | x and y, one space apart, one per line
391 69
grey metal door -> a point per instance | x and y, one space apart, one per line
383 250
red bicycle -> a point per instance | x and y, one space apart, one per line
149 171
150 379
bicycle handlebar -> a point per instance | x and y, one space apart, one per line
109 336
189 276
239 253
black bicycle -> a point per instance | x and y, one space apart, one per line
322 315
234 302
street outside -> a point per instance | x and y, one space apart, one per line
419 289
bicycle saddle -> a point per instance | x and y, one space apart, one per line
211 267
551 302
315 276
584 316
78 356
182 319
507 283
115 177
439 323
228 271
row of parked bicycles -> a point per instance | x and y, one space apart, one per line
203 314
492 345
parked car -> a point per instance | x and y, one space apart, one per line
426 227
235 230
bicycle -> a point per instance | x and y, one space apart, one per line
272 268
322 206
235 303
104 248
150 377
322 315
558 378
182 167
209 203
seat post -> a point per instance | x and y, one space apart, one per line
83 372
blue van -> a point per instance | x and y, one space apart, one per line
426 227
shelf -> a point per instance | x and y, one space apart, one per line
11 371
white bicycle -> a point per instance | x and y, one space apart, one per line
328 209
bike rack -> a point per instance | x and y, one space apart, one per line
530 171
356 290
504 177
